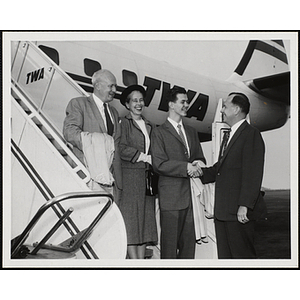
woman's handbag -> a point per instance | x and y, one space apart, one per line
151 183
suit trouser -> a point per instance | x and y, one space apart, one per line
235 240
177 234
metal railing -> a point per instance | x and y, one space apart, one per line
49 131
66 246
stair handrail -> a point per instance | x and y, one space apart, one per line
54 133
19 241
38 113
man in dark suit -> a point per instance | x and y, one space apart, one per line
175 152
94 114
238 176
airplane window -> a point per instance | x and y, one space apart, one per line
91 66
51 52
129 78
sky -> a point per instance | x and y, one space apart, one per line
218 59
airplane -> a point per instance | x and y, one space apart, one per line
262 74
40 71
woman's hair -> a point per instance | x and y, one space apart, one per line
136 90
125 96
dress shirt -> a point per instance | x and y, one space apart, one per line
234 128
145 157
174 124
142 126
99 104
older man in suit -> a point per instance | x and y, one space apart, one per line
238 176
94 114
175 151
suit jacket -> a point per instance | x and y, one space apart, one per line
132 142
238 175
82 114
169 159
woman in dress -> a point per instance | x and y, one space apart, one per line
137 208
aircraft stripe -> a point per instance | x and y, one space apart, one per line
271 50
278 46
80 78
246 58
88 89
46 192
263 47
279 42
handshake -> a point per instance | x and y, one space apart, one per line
194 169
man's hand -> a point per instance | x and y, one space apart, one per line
198 164
192 170
242 214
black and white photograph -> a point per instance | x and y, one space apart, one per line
150 149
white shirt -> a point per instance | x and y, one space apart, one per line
175 124
100 106
234 128
142 125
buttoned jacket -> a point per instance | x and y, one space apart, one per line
170 159
238 174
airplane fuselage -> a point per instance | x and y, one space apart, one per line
79 58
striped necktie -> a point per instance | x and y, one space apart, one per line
183 139
109 123
224 143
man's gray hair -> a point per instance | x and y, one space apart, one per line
99 75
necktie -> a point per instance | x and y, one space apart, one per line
182 137
224 143
109 123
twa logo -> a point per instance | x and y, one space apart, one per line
35 75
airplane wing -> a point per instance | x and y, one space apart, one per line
275 87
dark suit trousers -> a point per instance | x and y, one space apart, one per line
177 234
235 240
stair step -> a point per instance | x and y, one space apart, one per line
24 107
49 136
59 148
37 122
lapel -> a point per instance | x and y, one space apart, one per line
148 124
173 131
233 140
115 117
188 136
96 113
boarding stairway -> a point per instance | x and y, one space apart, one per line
54 137
44 168
69 247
